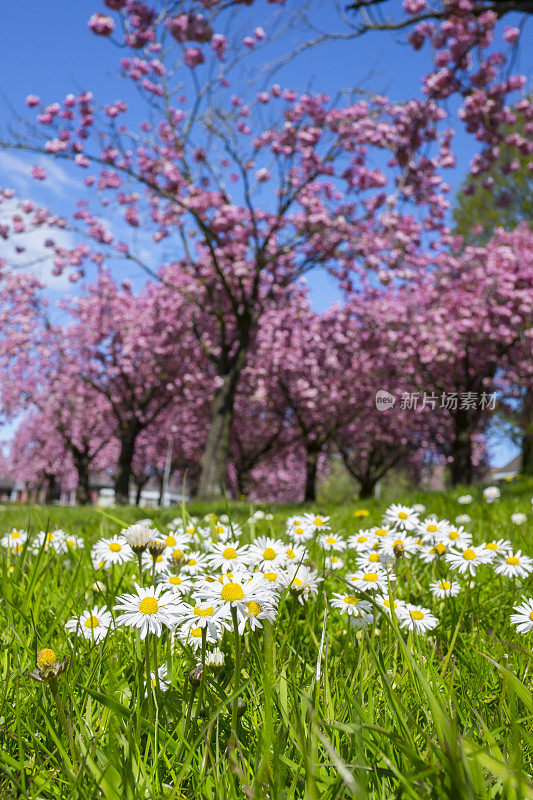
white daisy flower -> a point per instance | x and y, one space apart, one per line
52 540
195 562
333 562
368 561
331 542
464 499
384 603
114 550
215 659
203 615
190 634
267 553
463 519
417 619
361 541
296 554
317 522
276 578
457 537
164 685
433 529
14 540
523 619
302 581
224 532
418 508
431 553
402 517
496 548
177 541
375 579
74 542
467 560
228 556
254 614
93 624
159 563
518 518
149 609
235 591
351 604
397 544
297 530
181 584
444 588
514 565
139 534
491 494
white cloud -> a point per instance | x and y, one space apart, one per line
17 169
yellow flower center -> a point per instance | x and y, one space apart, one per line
253 608
269 554
270 576
453 535
49 537
469 554
19 549
386 603
319 521
371 577
445 585
231 592
219 529
15 535
177 554
380 532
148 605
331 540
351 600
71 542
334 559
361 539
204 612
191 562
157 558
291 554
46 658
170 541
402 515
191 531
491 546
416 614
298 582
440 548
154 683
373 557
91 622
531 616
398 543
229 552
513 561
196 632
175 580
299 531
432 528
115 547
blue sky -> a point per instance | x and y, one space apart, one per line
47 49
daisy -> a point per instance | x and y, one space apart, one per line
417 619
215 659
164 685
402 517
138 535
333 562
149 609
296 554
524 618
317 522
467 560
196 562
496 548
51 540
158 562
419 508
375 579
518 519
223 532
331 542
302 581
93 624
491 494
463 519
384 603
254 614
364 540
428 554
276 578
190 634
458 537
368 561
176 583
351 605
298 530
445 588
394 545
266 553
14 540
464 499
74 542
205 616
114 550
228 556
235 591
432 529
177 541
514 565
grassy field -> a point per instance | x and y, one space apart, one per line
317 708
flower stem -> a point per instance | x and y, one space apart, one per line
237 673
149 690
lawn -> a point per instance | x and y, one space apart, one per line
308 705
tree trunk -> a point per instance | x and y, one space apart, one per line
50 489
462 470
367 486
217 446
311 465
81 462
123 474
527 437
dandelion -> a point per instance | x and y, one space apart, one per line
266 553
402 517
149 609
302 581
417 619
514 565
523 619
444 588
467 560
491 494
518 518
361 512
93 624
114 550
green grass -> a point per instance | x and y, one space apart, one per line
391 715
